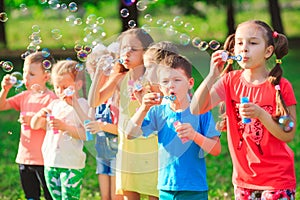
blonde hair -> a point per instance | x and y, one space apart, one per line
38 57
63 67
161 50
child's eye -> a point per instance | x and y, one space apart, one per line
177 79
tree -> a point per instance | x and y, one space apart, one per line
230 17
132 11
2 27
275 15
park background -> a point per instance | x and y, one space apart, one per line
60 28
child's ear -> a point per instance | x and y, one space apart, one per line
269 51
78 84
47 76
191 83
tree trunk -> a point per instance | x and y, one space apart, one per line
133 15
230 17
2 27
276 16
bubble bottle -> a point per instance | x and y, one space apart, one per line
51 117
88 133
24 126
245 100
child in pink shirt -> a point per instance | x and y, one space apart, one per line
37 96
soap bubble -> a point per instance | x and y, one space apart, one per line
203 46
3 17
79 67
196 41
124 12
214 45
16 78
7 66
148 18
73 7
184 39
141 5
131 23
47 64
82 55
177 20
56 34
45 52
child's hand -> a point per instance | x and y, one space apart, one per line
43 112
216 63
25 118
57 124
151 99
93 126
6 83
249 110
185 131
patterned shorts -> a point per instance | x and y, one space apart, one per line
249 194
64 183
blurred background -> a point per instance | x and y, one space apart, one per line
62 27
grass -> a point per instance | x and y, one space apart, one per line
219 168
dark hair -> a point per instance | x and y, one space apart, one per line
141 35
280 43
176 61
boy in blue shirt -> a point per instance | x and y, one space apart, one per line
183 138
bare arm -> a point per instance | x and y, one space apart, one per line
133 129
98 81
5 87
96 126
205 97
209 145
39 120
251 110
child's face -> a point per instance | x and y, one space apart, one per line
61 83
34 73
251 45
131 52
174 82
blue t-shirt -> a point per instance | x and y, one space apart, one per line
181 165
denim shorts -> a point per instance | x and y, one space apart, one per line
106 166
106 155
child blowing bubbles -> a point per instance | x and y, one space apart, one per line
29 157
263 164
182 170
63 146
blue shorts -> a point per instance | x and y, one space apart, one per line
106 148
183 195
106 166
